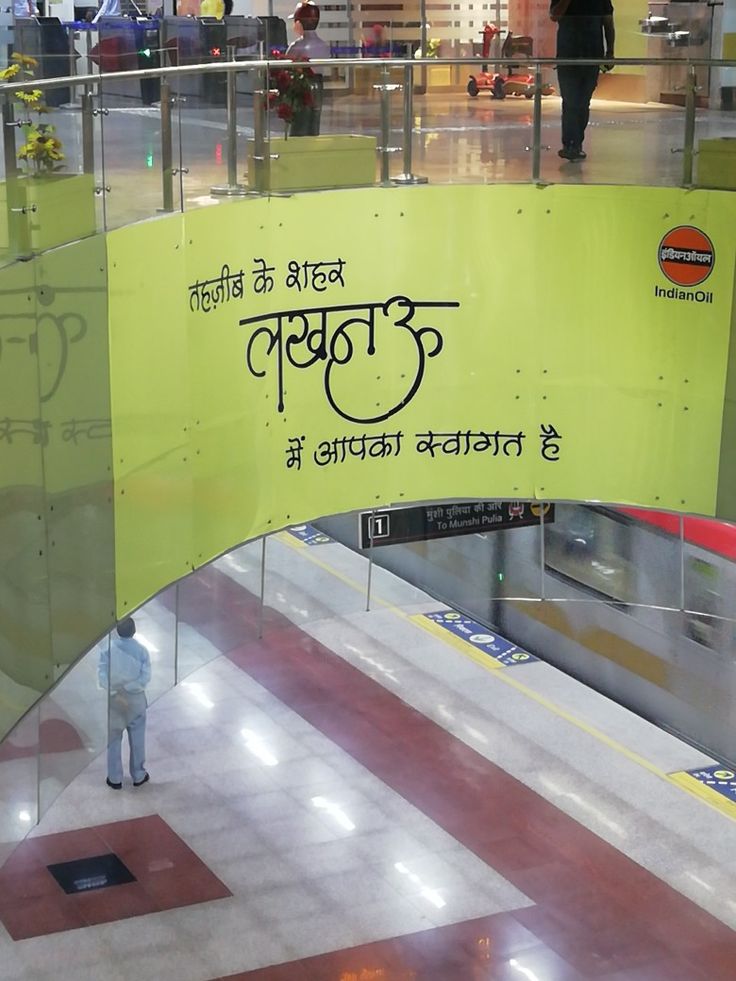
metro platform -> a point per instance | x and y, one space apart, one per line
355 797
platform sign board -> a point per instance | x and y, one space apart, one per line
399 526
717 778
308 535
480 637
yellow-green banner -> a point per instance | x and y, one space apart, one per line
275 360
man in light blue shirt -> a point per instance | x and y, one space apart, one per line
25 8
108 8
124 671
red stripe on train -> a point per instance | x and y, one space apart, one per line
717 536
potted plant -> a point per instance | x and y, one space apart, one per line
296 97
312 162
44 207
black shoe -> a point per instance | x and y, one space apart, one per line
114 786
144 780
572 153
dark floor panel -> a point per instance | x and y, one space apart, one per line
97 872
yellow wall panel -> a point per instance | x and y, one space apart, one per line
280 324
151 405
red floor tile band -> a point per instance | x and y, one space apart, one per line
168 875
597 915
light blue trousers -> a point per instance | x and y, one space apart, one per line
127 714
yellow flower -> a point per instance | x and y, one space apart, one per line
25 60
10 72
29 97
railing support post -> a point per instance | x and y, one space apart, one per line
88 132
386 88
537 128
167 174
261 137
688 147
407 177
18 237
232 188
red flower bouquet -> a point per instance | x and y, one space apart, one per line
291 90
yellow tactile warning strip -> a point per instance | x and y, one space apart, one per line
467 649
473 639
714 784
692 787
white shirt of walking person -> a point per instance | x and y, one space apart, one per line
124 671
108 8
25 8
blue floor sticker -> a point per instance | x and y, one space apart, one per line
480 638
718 778
309 535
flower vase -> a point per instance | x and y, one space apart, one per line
304 122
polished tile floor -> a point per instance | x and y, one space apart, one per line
380 806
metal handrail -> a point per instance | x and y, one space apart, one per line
398 63
261 154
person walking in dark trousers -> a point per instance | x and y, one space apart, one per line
124 671
584 30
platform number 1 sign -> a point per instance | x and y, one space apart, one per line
380 526
374 527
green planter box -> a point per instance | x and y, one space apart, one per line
64 212
717 163
310 163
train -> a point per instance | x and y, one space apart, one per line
639 605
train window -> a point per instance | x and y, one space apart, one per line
704 603
591 547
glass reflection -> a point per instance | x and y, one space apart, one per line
18 783
199 693
334 811
255 745
431 895
524 971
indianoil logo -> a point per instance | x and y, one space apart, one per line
686 256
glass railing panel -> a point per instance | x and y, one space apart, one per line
26 668
490 141
73 728
318 135
140 148
155 624
204 136
214 614
19 782
714 141
287 598
72 341
47 192
633 135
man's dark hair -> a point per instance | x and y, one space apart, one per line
228 7
308 15
126 627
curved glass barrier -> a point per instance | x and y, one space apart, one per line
127 143
571 584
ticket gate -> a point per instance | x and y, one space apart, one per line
125 45
47 40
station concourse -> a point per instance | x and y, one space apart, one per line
420 497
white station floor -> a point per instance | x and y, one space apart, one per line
309 841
